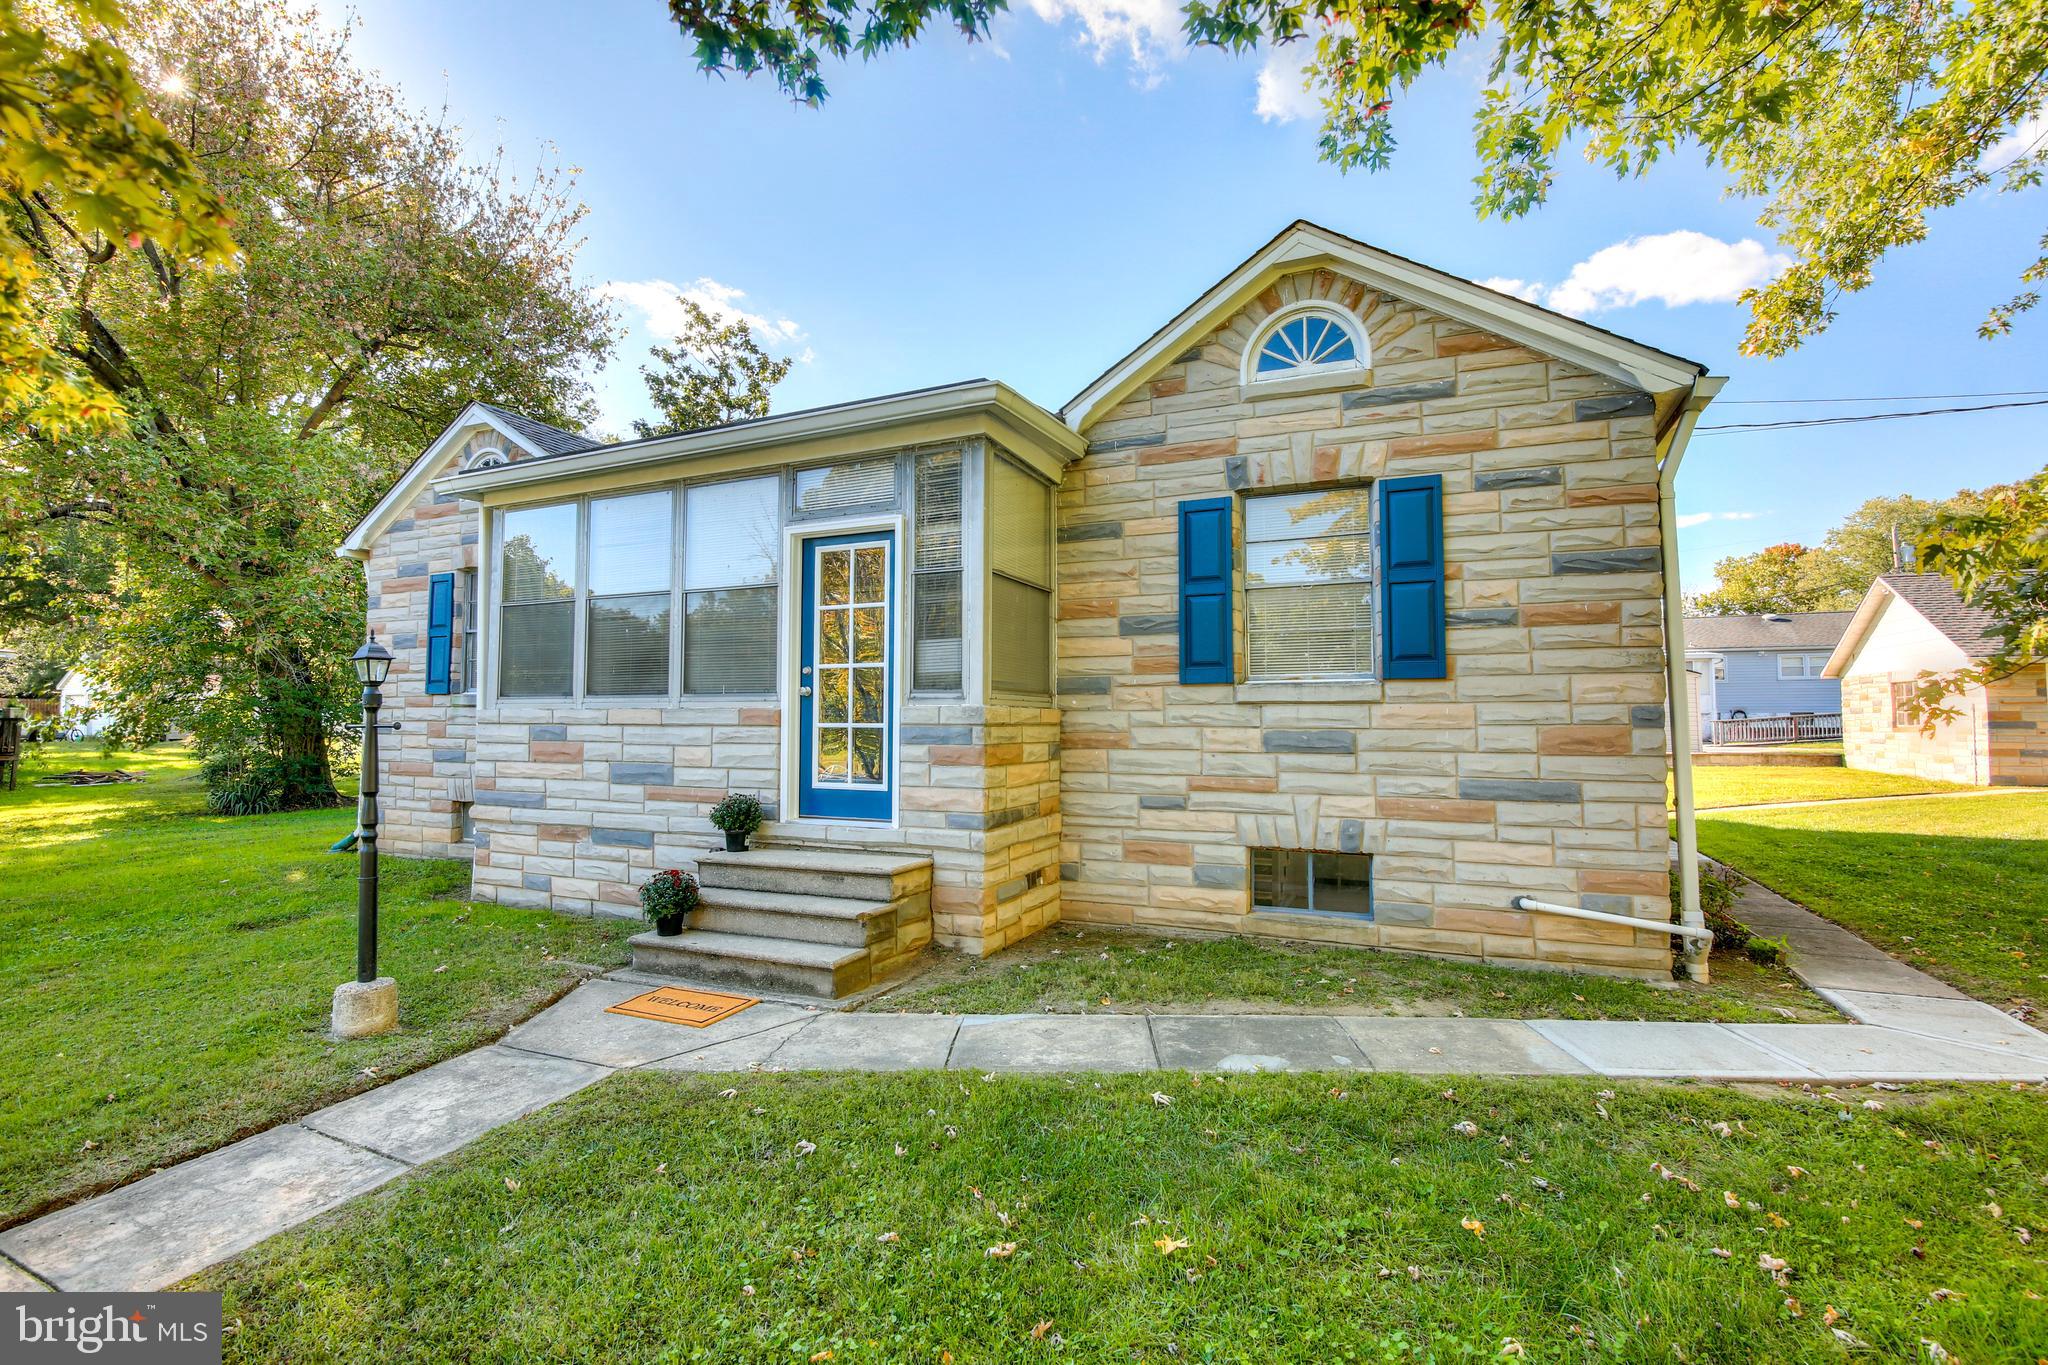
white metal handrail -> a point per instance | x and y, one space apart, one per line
1579 912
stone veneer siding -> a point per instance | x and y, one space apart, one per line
1536 767
2002 741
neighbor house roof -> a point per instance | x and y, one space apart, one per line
1935 599
1304 245
1791 630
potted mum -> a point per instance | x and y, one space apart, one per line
666 897
739 815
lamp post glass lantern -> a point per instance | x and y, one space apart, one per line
369 1004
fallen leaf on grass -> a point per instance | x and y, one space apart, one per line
1721 1252
805 1148
1001 1250
1779 1271
1473 1226
1158 1098
1168 1245
1795 1171
510 1183
887 1237
1728 1198
1039 1329
1465 1128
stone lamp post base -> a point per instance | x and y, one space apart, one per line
363 1009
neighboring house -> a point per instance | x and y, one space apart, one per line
1763 665
1333 611
1915 623
78 706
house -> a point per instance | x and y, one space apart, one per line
1333 611
78 706
1764 665
1910 624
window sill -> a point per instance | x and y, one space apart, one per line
1349 916
1310 690
1325 382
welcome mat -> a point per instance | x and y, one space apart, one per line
674 1005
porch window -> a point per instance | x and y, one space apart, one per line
537 617
1305 879
935 584
731 545
1020 552
471 664
1308 584
632 551
856 486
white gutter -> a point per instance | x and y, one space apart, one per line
1577 912
1677 709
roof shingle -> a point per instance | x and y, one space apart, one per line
1802 630
1935 598
545 439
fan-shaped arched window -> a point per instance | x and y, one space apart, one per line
487 459
1313 341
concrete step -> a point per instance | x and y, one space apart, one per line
846 873
752 962
806 919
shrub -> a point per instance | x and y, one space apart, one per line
738 813
1766 950
1717 902
673 892
243 781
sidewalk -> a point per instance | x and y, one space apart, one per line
161 1229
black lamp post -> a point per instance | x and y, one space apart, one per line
369 1004
373 666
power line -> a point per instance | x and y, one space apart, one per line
1884 398
1867 417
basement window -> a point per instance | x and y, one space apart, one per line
1309 880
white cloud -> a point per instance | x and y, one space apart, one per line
1526 290
1691 519
661 316
1283 95
2022 141
1145 31
1672 268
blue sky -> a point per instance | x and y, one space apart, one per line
1032 208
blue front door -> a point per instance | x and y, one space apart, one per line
846 710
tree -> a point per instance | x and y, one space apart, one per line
383 280
1876 538
1852 119
79 146
1753 585
1996 554
713 373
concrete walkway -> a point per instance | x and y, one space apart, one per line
172 1224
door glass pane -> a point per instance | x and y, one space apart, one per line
732 533
870 573
867 634
832 577
867 695
831 748
729 642
631 543
628 646
535 657
832 696
832 631
540 553
867 755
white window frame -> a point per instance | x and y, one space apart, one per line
1361 345
1242 553
1810 666
676 494
678 651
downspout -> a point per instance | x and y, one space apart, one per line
1678 707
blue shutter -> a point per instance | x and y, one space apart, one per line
440 630
1412 577
1205 652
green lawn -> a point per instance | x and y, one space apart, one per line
1070 969
1714 787
938 1217
1958 888
168 973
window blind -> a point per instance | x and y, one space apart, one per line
1020 524
846 487
936 562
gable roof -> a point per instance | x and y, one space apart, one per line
1304 245
1796 630
516 427
539 436
1935 600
